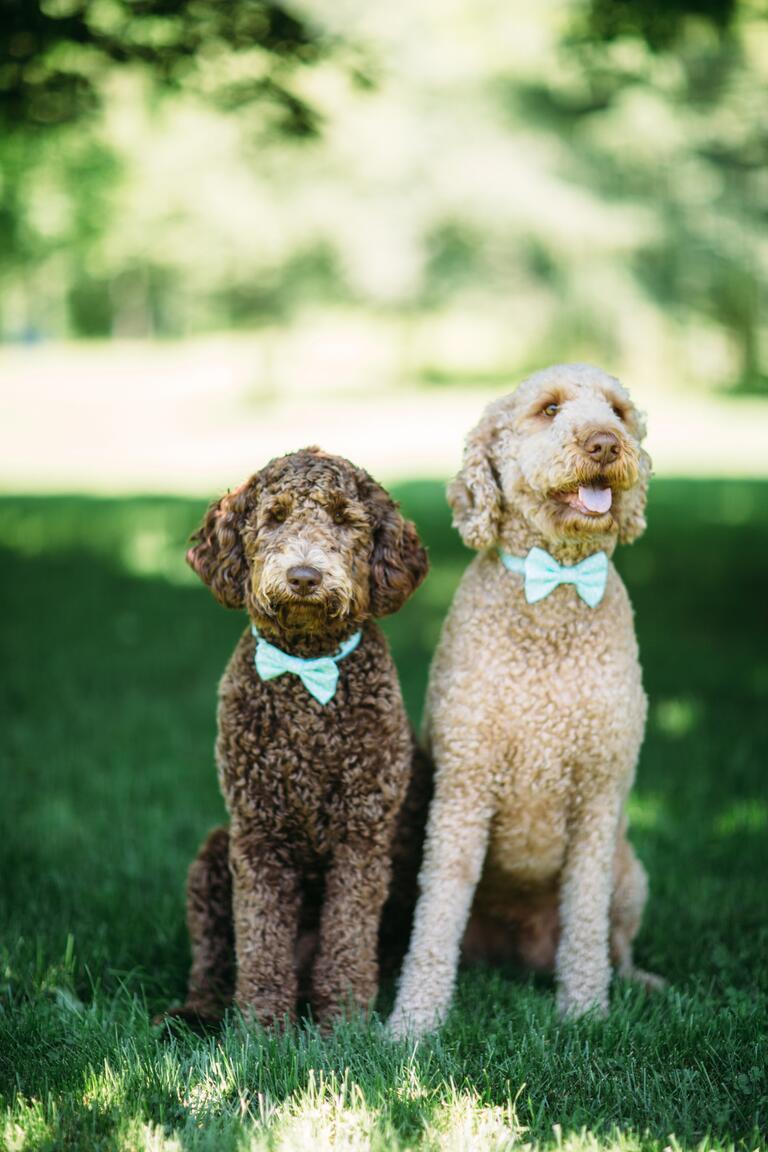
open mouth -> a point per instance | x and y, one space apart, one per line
592 500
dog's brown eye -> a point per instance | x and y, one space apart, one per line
339 516
551 410
278 515
618 412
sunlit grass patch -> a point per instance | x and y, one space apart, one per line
327 1115
464 1123
743 816
139 1137
676 717
145 537
646 810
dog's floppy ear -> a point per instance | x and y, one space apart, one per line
632 517
474 494
399 560
217 554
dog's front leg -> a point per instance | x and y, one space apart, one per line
265 900
454 851
346 967
583 964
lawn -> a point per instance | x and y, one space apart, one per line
110 657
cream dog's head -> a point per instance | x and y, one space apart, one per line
563 455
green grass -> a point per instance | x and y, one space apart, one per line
110 657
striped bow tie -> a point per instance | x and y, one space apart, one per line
542 574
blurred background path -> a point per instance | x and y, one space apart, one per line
198 416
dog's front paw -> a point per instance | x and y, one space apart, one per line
265 1014
573 1003
413 1023
401 1027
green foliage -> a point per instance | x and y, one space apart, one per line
659 24
110 657
594 189
57 54
678 131
61 173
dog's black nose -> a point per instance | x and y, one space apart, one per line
603 447
304 579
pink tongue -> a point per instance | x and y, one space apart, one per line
596 499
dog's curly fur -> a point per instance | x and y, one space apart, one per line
287 902
535 712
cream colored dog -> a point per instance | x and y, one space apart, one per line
535 707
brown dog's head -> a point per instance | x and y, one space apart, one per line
309 544
563 454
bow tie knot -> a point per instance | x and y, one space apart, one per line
319 675
542 574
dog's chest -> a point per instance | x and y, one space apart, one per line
571 716
310 773
543 682
570 725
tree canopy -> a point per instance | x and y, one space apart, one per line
169 166
56 53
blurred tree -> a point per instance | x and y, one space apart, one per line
663 108
578 178
59 172
56 53
660 23
709 261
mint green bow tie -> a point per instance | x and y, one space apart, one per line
543 573
319 675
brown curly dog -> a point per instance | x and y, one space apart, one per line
315 754
535 709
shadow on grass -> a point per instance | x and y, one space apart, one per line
110 658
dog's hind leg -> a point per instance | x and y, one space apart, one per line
629 896
210 987
407 844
